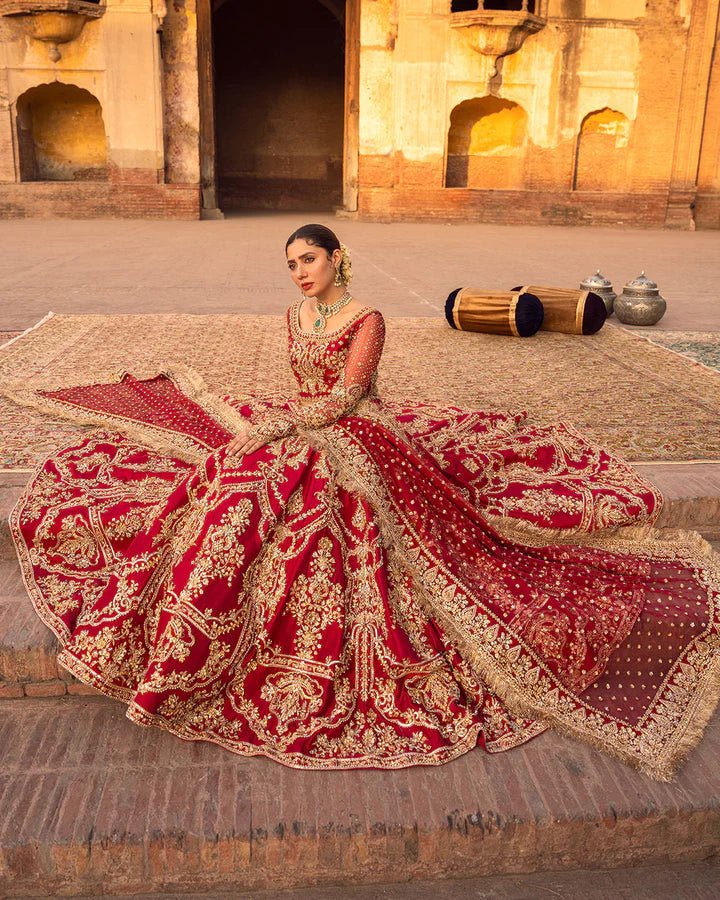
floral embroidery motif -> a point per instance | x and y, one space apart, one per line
315 600
291 697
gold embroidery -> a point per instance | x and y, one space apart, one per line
318 615
315 600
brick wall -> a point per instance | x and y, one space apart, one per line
99 200
514 207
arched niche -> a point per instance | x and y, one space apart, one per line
601 158
486 144
61 134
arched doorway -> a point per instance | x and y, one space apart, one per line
279 103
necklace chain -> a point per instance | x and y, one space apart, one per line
325 310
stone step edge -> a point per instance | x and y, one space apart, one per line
183 865
668 880
321 845
51 687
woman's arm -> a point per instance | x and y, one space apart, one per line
362 362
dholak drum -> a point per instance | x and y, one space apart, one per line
494 312
569 311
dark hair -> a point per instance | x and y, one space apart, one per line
317 235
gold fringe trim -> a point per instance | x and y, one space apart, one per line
700 704
674 462
166 441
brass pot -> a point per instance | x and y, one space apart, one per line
640 302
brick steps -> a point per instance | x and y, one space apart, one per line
93 804
28 649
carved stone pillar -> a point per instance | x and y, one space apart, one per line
351 139
693 100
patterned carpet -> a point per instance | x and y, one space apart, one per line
701 346
622 390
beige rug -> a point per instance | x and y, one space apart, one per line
622 391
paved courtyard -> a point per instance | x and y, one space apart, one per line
237 265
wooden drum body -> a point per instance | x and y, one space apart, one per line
494 312
569 311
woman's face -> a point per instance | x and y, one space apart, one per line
310 268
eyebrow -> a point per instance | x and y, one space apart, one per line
306 253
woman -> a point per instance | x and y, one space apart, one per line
335 581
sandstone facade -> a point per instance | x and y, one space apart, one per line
557 111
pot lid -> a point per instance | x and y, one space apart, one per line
597 282
642 283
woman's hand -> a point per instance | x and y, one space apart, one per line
245 441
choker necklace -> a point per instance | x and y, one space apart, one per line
325 310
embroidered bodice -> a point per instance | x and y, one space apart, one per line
333 369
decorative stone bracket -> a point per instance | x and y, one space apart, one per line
53 22
495 33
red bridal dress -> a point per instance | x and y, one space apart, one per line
382 584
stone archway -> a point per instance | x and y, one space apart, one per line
278 104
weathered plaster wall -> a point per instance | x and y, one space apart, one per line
627 57
644 65
116 59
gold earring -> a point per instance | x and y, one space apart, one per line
338 279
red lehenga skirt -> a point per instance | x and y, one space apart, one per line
392 589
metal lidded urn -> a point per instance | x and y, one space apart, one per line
640 302
601 286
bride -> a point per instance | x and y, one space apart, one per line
337 581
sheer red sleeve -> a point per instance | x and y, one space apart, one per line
360 368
